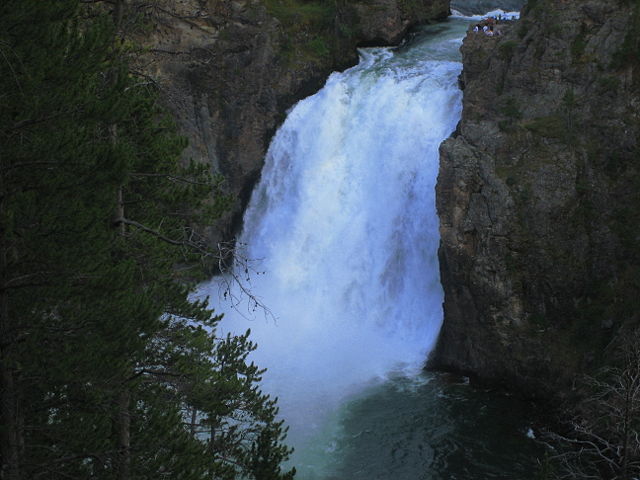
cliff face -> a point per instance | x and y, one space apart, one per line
538 197
229 69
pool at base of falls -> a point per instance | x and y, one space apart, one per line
430 427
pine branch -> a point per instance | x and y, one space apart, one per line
26 280
158 373
155 233
171 177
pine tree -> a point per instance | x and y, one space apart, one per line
54 194
108 369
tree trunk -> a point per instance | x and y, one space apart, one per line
118 10
123 422
626 434
10 434
123 431
10 441
194 418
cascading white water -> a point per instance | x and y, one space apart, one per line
343 224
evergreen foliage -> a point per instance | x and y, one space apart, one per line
108 369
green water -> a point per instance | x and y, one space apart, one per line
434 427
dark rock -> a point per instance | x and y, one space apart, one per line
536 198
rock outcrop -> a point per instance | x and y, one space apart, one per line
229 69
538 197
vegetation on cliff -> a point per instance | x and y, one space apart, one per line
326 30
108 368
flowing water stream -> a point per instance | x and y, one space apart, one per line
343 231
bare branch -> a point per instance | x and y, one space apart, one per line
235 280
235 268
606 437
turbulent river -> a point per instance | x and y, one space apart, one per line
343 235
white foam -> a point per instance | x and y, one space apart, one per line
506 15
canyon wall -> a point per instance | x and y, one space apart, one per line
229 69
538 197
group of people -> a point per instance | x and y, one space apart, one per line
487 26
487 29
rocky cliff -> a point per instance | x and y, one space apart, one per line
538 196
229 69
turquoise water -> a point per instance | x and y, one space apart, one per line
431 427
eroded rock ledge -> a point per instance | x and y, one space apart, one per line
538 198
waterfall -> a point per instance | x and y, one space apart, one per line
343 230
